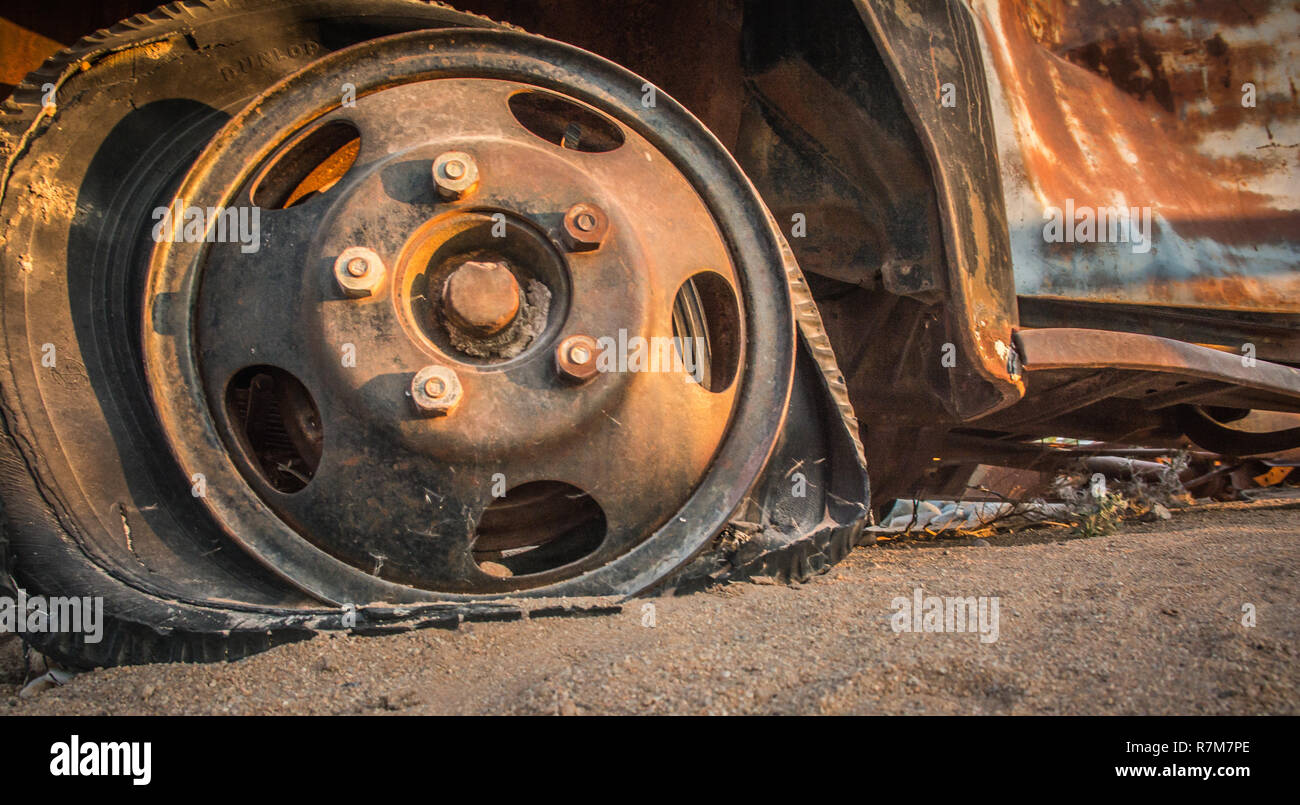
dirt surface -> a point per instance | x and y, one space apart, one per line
1148 620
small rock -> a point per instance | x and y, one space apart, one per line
981 543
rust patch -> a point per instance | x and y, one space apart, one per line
21 51
1150 106
1111 118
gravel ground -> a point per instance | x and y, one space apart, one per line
1148 620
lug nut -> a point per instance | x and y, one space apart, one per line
359 271
481 297
455 174
436 390
585 226
575 358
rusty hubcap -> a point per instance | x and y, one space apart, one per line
444 400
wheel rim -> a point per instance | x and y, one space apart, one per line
400 505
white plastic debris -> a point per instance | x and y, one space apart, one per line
52 678
940 515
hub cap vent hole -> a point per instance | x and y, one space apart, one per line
310 166
564 123
537 527
706 330
277 423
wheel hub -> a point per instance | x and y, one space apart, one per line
480 268
481 296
